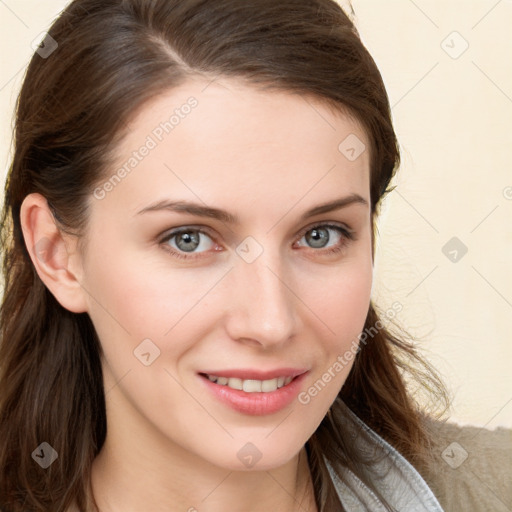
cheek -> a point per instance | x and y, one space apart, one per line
344 311
343 308
340 296
348 305
133 298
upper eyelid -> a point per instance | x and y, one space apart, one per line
337 224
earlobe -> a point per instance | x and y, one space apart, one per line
52 253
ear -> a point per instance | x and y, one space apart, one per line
53 253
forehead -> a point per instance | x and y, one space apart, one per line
227 140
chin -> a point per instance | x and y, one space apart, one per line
258 454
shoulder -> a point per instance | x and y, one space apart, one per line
471 467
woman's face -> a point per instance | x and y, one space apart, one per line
243 275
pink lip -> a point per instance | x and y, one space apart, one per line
256 404
257 374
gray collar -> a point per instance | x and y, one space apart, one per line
395 478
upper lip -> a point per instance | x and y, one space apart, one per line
246 374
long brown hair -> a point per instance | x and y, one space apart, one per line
102 61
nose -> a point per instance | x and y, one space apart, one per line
262 308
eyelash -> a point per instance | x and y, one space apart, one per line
346 233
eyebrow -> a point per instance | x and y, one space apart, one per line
201 210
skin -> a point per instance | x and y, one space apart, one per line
267 157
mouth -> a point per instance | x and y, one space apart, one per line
255 392
251 385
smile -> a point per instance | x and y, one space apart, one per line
251 385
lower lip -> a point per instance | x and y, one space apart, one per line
258 403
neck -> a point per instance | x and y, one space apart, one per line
135 472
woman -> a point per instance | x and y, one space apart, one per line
189 237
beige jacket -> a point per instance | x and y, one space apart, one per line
472 468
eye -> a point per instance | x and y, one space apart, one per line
319 237
187 242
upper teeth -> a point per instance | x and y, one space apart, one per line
250 385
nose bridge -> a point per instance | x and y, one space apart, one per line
264 306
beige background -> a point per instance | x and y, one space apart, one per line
452 108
